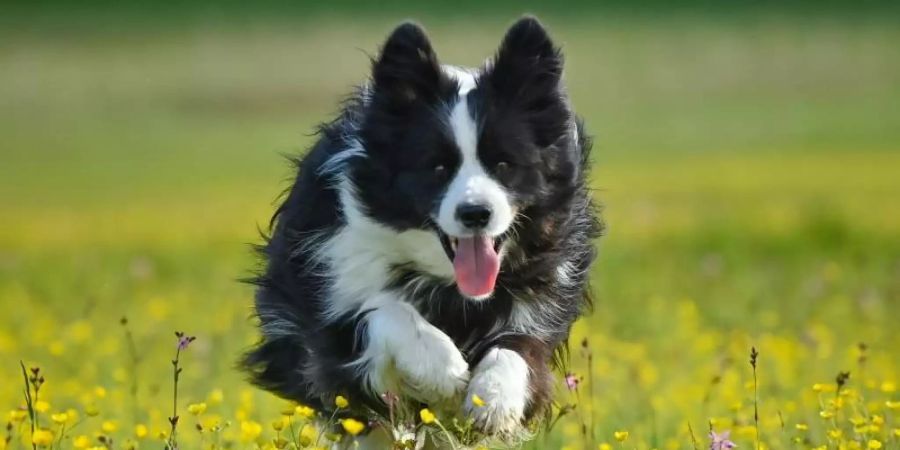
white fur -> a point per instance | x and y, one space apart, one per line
360 254
429 364
464 76
472 184
501 380
399 339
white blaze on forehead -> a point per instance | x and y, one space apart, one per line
472 183
465 78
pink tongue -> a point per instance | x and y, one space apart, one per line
476 266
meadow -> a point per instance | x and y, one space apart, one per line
749 170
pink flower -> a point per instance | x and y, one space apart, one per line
720 441
572 381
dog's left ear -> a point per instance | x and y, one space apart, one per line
407 68
528 66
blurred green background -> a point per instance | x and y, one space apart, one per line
747 156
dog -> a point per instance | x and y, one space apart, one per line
437 240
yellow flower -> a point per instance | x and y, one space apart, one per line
621 436
17 415
42 437
826 414
41 406
100 392
477 401
341 402
250 430
604 446
892 405
60 418
877 420
874 428
305 411
141 431
427 416
289 409
858 420
888 387
308 435
82 442
197 408
801 427
835 434
874 444
279 424
216 396
353 426
109 426
897 433
824 387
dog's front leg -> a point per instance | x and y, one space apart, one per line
512 381
430 365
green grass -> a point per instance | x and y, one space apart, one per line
748 171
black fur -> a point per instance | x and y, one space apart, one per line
525 123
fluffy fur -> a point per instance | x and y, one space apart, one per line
359 295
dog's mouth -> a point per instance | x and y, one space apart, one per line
476 262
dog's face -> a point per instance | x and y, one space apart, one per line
466 153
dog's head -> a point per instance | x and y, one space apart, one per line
467 153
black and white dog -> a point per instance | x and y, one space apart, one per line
437 239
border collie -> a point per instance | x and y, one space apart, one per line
437 239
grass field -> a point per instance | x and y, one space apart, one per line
750 172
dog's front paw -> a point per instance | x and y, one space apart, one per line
498 392
431 366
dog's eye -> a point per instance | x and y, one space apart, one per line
440 170
501 166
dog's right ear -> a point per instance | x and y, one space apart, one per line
407 69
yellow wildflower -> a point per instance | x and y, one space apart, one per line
826 414
250 430
892 405
305 411
620 436
477 401
604 446
897 433
81 442
427 416
801 427
17 415
197 408
888 387
835 434
878 420
341 402
42 438
100 392
874 444
216 396
279 424
141 431
353 426
60 418
109 426
308 435
41 406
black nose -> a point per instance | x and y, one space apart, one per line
473 215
